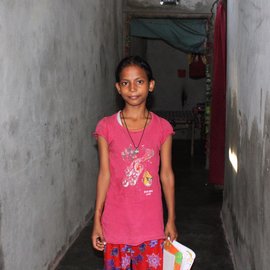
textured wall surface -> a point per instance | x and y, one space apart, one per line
246 208
57 62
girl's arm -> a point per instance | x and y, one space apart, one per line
167 181
102 187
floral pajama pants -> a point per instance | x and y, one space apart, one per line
146 256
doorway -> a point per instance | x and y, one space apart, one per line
178 97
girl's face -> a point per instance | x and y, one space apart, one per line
134 85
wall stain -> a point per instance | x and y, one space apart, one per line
13 126
52 180
261 105
80 170
103 62
47 143
57 131
2 266
28 157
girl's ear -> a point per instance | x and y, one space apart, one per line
151 85
118 87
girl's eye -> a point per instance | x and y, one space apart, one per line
123 83
140 81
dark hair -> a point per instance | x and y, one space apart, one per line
133 61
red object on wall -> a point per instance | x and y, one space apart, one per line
218 105
197 68
181 73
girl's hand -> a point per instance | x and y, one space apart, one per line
98 240
171 231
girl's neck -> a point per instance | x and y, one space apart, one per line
135 113
135 120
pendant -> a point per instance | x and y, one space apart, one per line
136 151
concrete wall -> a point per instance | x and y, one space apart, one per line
57 62
246 208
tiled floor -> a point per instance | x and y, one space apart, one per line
198 218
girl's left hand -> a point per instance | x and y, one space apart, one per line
171 231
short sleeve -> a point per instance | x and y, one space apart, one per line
102 129
167 130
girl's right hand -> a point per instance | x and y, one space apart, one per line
98 240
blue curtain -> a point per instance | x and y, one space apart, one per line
188 35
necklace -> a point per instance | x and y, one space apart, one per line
136 151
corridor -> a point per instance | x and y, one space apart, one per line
57 81
198 218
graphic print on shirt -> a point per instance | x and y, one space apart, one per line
136 167
147 179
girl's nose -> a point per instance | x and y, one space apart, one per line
133 87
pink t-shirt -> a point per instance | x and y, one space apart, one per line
133 208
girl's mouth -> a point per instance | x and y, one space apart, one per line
133 97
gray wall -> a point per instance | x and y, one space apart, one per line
246 208
57 60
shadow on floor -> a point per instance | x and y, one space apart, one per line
198 220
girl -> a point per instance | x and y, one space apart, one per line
128 222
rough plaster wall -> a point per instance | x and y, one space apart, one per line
246 207
56 62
